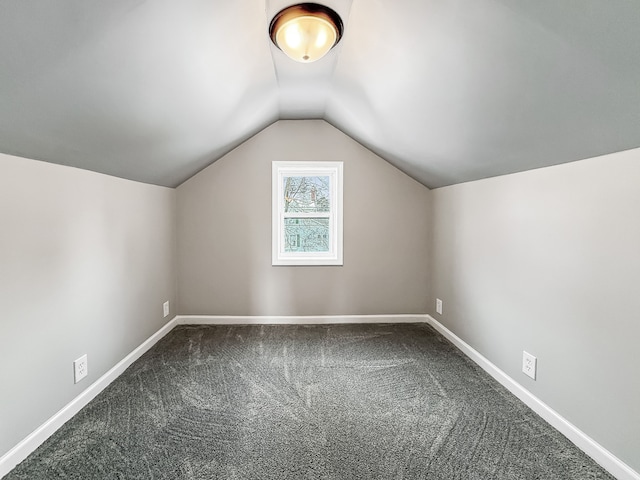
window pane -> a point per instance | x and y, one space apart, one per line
306 234
306 194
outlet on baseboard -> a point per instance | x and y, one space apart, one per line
438 306
80 368
165 308
529 364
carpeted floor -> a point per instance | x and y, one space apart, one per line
306 402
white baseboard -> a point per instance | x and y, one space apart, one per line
601 455
297 320
18 453
606 459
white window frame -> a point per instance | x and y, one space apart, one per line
307 169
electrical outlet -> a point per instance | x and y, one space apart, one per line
438 306
165 308
80 368
529 364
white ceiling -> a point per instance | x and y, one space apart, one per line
446 90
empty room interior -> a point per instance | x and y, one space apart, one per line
359 239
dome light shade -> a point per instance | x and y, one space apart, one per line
306 31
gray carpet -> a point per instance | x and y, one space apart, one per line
297 402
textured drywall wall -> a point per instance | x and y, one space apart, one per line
86 262
224 233
548 261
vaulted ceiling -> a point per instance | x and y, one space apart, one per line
446 90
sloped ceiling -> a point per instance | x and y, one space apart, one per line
447 90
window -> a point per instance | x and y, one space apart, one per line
307 213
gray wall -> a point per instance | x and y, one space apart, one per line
548 261
224 233
86 261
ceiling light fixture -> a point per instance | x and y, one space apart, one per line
306 31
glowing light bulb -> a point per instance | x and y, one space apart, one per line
293 36
321 38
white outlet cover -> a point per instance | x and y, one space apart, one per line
438 306
165 308
529 364
80 368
